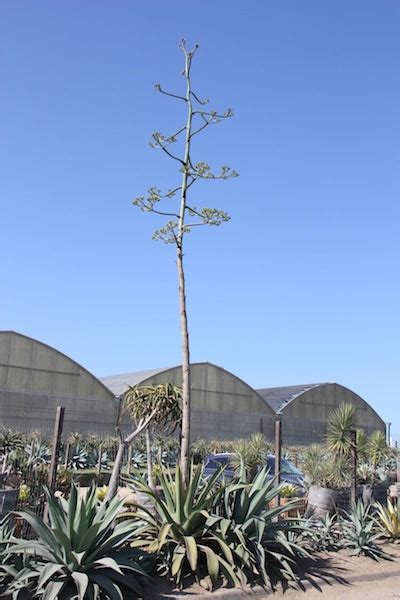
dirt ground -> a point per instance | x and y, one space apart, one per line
345 577
360 579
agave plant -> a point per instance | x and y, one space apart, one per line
37 454
10 441
179 529
138 459
264 545
388 521
359 533
324 534
80 553
93 457
79 459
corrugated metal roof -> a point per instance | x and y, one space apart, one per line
279 397
118 383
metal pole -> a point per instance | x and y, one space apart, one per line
278 453
353 489
388 426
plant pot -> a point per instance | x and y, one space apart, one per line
321 501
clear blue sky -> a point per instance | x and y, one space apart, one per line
302 285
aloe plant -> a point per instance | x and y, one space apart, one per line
80 552
179 529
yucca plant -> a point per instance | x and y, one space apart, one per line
80 552
248 518
251 453
359 534
388 521
340 425
378 449
179 530
313 464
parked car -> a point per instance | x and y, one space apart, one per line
289 473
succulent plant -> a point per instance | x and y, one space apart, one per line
80 553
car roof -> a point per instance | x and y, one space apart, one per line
220 455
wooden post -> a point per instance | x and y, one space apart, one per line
55 452
278 453
66 458
353 489
128 469
99 462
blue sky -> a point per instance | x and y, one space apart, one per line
302 285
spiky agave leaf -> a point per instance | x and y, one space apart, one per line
80 552
359 531
181 527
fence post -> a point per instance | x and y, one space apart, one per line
278 453
100 456
353 489
55 451
128 470
66 458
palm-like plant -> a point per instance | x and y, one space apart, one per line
251 453
341 423
388 521
179 529
362 444
313 464
80 553
377 448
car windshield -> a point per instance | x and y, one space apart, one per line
216 462
286 466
